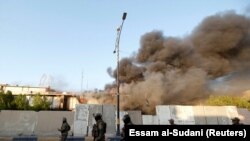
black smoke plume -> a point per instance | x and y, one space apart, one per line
172 70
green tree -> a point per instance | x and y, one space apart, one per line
40 103
240 102
2 104
7 101
21 102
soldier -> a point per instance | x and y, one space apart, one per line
99 129
236 121
171 121
127 121
64 129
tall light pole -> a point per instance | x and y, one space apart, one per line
119 30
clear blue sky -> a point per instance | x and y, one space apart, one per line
67 39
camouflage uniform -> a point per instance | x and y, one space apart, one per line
99 129
127 121
64 129
94 131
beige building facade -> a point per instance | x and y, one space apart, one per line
59 100
16 90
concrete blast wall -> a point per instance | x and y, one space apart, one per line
220 115
46 123
18 122
43 123
84 119
150 119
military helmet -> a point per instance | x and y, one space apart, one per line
64 119
235 119
126 118
98 116
171 120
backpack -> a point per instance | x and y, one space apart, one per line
67 127
104 126
94 131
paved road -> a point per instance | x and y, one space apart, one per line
43 139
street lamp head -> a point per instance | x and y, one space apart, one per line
124 16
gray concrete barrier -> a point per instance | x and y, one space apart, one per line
25 138
22 124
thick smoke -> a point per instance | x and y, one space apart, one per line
170 70
247 10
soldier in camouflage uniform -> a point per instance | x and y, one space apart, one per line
64 129
171 121
236 121
127 121
99 129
